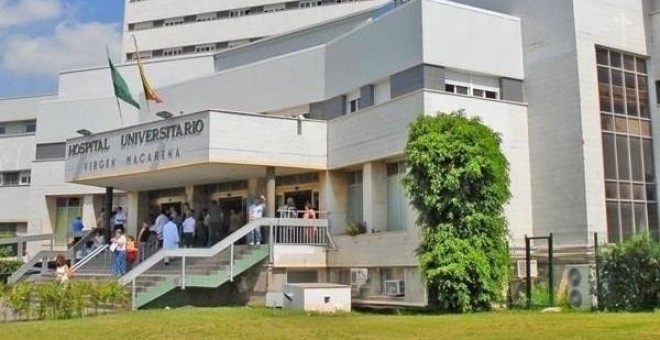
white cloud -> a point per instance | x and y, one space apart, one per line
21 12
72 45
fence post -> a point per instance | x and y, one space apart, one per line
19 249
598 291
528 273
183 273
551 274
231 262
271 243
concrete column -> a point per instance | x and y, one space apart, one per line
133 213
374 196
333 200
253 186
270 191
88 212
109 193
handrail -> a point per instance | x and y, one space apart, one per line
30 264
26 238
88 257
218 247
81 245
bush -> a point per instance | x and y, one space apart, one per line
629 276
354 228
64 301
458 181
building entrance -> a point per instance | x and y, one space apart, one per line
233 213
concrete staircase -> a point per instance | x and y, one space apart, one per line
207 272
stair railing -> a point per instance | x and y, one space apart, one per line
90 256
280 231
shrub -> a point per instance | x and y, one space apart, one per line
629 276
458 181
354 228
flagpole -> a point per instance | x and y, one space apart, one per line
121 118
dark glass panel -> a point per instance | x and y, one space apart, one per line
647 149
602 56
636 159
654 228
625 191
641 223
608 156
641 65
620 124
651 192
611 190
615 59
629 62
607 122
638 192
645 128
612 222
622 158
626 220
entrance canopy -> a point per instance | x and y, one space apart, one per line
197 148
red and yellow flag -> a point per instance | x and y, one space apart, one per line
149 93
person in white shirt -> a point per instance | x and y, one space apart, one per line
189 226
256 212
170 238
157 228
120 219
118 248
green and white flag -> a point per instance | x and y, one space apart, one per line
121 88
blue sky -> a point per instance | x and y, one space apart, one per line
38 38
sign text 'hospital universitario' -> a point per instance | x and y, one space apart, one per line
130 141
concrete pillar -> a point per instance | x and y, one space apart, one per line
133 213
88 212
374 196
109 195
270 191
253 186
333 200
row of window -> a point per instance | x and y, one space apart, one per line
10 128
15 178
233 13
466 91
185 50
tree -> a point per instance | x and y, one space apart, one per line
458 181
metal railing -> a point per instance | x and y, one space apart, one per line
43 256
88 257
292 230
80 249
21 240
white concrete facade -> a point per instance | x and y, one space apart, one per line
315 101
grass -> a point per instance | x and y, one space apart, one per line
261 323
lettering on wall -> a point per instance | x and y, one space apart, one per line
150 147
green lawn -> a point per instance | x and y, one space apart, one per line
260 323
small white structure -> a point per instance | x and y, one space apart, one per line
317 297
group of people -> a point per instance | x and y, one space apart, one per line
170 230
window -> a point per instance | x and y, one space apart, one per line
235 13
173 52
397 203
10 178
630 190
458 89
354 105
205 48
274 8
207 17
26 178
3 130
392 281
173 22
30 127
309 3
354 197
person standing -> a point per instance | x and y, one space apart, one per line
120 219
62 271
170 238
143 239
215 220
118 248
77 229
189 225
256 212
157 228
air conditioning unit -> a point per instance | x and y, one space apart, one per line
359 276
579 291
521 269
395 287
